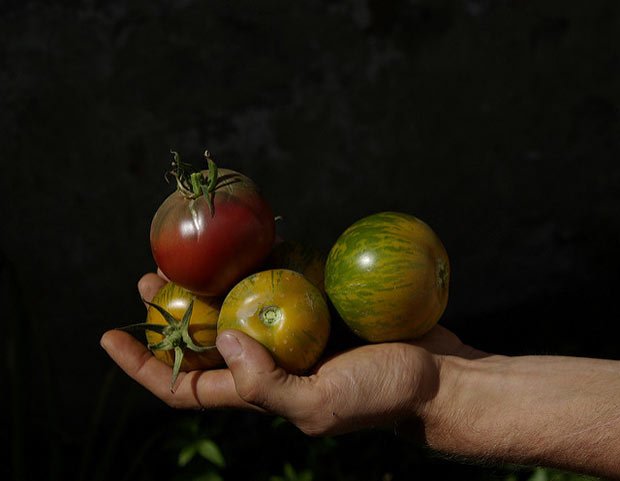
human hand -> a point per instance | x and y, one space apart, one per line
370 385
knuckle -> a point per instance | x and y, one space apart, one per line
177 399
262 389
173 402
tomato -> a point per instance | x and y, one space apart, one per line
182 342
387 276
299 257
283 311
212 231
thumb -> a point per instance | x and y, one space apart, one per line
258 379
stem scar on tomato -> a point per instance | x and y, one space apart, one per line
270 315
175 336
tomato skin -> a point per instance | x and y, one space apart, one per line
202 326
387 276
208 254
283 311
299 257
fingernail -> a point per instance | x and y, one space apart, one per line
228 345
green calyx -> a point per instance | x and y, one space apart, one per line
175 336
193 184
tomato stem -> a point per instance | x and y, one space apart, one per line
209 189
192 183
196 180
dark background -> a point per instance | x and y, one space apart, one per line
497 122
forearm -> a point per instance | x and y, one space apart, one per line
548 410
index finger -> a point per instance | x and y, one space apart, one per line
149 285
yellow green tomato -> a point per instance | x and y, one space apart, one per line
283 311
181 328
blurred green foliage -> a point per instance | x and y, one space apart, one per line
546 474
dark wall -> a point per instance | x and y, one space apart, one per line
495 122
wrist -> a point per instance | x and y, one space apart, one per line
454 418
438 412
551 410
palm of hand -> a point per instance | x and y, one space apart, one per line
366 386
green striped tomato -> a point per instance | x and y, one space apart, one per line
387 276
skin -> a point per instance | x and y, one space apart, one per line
561 412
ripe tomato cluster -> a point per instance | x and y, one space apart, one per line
386 276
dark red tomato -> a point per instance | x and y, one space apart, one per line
207 238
